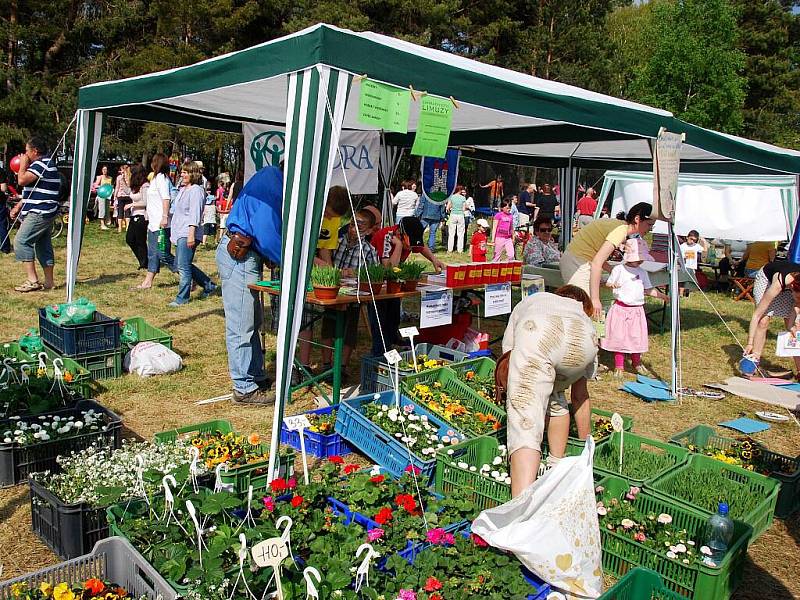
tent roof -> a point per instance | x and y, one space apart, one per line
500 112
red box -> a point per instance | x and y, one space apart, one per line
486 273
450 275
517 277
506 271
475 273
495 276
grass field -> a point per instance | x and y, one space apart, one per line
108 271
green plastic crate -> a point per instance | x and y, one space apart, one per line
81 381
763 488
483 366
784 468
255 473
641 584
697 581
103 365
452 386
486 493
627 423
675 454
149 333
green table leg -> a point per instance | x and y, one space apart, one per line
338 346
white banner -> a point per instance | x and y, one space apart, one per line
666 166
264 146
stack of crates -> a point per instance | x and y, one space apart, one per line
95 346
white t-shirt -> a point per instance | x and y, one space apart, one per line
209 214
406 202
156 193
691 255
633 281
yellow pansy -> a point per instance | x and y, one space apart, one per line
46 589
62 592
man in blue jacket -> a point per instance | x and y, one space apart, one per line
431 214
253 237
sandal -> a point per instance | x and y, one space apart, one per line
29 286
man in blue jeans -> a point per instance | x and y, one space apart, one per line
431 214
253 237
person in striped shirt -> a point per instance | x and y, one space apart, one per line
38 208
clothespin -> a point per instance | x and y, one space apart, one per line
413 93
360 77
453 100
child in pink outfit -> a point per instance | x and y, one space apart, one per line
626 322
504 233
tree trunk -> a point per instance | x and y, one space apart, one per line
12 43
550 47
61 39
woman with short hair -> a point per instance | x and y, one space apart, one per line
186 232
541 249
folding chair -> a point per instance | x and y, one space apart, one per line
742 288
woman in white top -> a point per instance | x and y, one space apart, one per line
405 200
157 209
136 236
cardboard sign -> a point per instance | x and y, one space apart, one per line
296 422
433 127
384 106
498 299
270 553
436 308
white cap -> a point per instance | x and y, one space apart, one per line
483 223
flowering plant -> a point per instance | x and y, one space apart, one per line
413 430
497 469
424 362
37 396
91 589
103 476
236 450
45 428
453 409
323 424
483 385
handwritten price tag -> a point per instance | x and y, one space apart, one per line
616 422
270 553
409 332
296 422
393 357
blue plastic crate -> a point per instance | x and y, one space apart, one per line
101 335
378 445
375 375
317 444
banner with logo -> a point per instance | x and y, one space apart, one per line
439 175
264 146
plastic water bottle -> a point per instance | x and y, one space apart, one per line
162 240
719 532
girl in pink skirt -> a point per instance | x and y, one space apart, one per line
626 323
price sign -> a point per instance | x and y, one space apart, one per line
392 357
436 308
296 422
616 422
498 299
270 553
618 425
409 332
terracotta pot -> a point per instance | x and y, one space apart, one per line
324 292
393 287
410 285
364 286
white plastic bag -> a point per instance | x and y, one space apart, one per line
151 358
552 527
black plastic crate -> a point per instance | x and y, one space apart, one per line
101 335
16 463
70 530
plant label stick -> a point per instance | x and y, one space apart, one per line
410 333
309 574
618 425
299 423
393 358
286 534
271 553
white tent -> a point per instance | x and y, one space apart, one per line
740 207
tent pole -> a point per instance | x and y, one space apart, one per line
674 301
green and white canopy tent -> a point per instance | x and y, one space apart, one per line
309 81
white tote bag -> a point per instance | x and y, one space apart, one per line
552 527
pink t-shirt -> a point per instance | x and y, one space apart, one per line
505 225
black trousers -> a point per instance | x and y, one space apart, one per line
136 237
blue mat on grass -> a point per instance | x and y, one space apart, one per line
648 393
745 425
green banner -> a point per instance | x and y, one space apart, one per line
433 128
384 106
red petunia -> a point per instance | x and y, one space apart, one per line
377 479
432 584
278 485
351 468
335 459
297 501
478 541
384 515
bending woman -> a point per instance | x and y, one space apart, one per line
776 290
553 345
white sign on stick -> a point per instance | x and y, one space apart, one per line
436 308
270 553
498 299
296 422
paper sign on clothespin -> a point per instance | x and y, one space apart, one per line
271 553
393 358
300 423
619 426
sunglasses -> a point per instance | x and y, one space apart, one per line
545 230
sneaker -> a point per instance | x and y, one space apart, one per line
257 396
175 304
209 291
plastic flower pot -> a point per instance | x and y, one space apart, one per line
324 292
375 287
393 287
410 285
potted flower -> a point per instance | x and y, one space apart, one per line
410 273
371 278
392 277
326 282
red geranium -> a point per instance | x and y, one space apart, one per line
377 479
351 468
436 597
406 501
478 540
292 483
432 584
297 501
335 459
278 485
95 586
384 515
